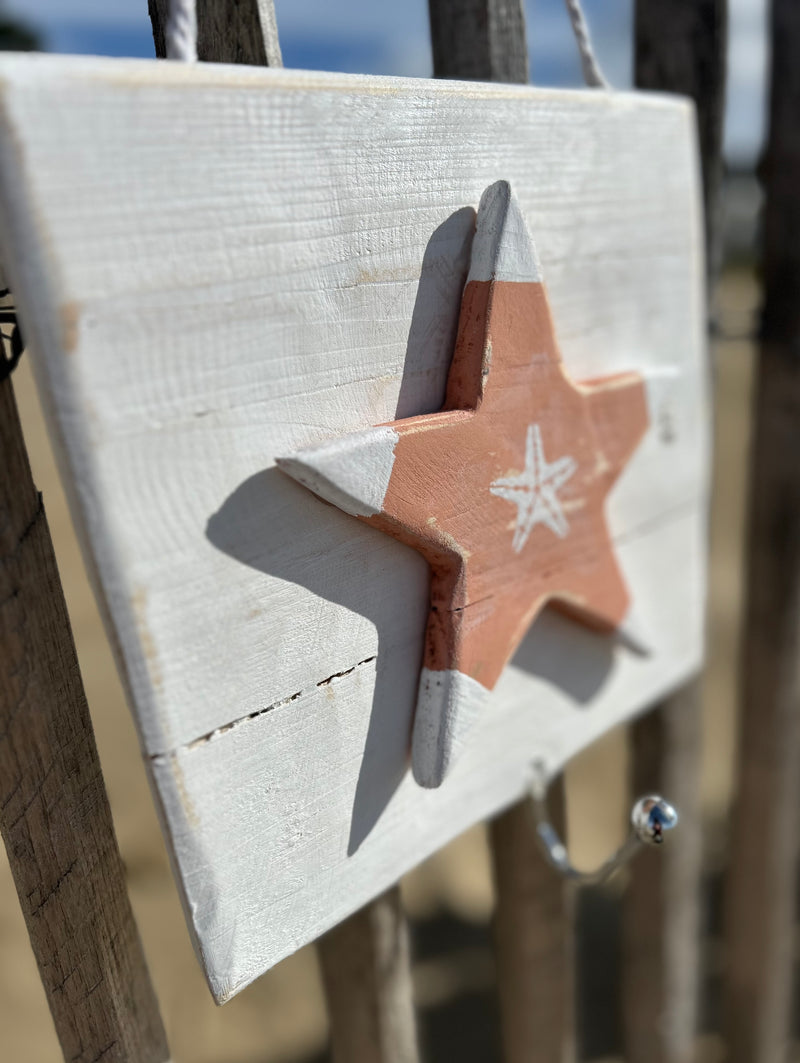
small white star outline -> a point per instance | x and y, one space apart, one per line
534 490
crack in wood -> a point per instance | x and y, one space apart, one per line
32 799
347 671
104 1051
58 987
38 513
226 728
96 1058
55 888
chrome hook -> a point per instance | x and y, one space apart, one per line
651 817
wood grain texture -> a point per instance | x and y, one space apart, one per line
238 274
366 971
228 31
534 939
681 50
54 813
480 40
762 875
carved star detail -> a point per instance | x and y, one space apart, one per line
534 491
448 484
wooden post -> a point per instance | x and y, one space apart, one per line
681 50
481 40
54 812
366 972
661 916
761 882
228 31
534 937
485 39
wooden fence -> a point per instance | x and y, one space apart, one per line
53 807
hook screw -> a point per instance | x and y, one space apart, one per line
651 817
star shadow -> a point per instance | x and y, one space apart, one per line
257 525
552 646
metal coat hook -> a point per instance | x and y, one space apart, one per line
651 818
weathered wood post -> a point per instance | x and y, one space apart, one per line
682 50
761 881
228 31
534 939
54 812
481 40
366 972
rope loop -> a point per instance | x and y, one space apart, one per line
182 31
592 74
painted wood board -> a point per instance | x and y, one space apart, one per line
219 265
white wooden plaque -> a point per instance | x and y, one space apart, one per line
217 265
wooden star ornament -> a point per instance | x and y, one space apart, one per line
502 491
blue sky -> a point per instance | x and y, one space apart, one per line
383 37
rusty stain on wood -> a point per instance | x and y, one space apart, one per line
70 318
149 647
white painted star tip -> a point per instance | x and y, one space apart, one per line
634 634
448 704
502 248
351 471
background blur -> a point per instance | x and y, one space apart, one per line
281 1017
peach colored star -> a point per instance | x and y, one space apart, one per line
502 491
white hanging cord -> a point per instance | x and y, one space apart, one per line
182 31
592 74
